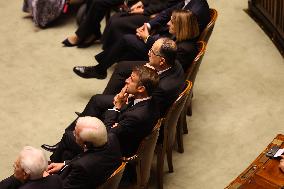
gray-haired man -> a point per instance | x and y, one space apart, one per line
29 172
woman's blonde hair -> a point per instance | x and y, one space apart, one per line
185 24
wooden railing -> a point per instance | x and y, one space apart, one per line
270 14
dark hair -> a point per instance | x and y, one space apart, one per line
168 50
148 77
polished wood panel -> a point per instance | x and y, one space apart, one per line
263 172
270 14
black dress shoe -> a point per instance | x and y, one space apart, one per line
49 147
78 113
67 43
90 72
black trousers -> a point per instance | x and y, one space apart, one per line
130 47
67 148
120 24
96 107
96 10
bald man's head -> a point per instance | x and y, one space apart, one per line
90 130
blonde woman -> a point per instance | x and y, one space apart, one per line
184 26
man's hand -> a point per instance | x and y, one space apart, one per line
140 28
45 174
54 167
121 98
143 32
137 8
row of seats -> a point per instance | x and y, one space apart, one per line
174 126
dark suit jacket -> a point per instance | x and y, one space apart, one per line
186 52
134 123
91 168
199 7
170 84
50 182
10 183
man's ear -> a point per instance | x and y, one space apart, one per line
141 89
162 61
26 176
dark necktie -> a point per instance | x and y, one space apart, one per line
130 102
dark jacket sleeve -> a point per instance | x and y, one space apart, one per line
154 8
111 117
125 123
10 183
163 17
126 127
150 42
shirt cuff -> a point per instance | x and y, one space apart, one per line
148 26
114 109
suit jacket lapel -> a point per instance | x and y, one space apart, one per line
130 104
189 5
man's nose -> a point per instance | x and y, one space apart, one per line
127 80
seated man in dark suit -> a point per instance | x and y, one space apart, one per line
100 155
29 172
162 59
131 123
137 119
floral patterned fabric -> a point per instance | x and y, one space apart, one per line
43 11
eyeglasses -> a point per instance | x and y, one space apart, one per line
151 51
